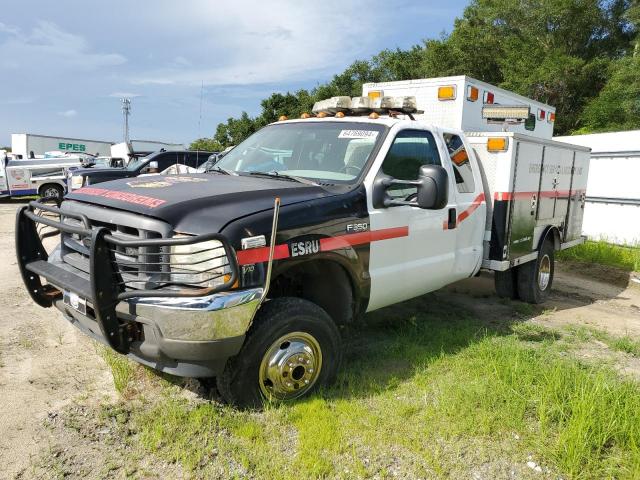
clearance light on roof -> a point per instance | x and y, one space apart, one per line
447 93
488 98
505 112
282 118
472 93
497 144
373 94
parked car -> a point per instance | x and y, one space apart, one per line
157 162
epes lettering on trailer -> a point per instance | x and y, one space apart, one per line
307 247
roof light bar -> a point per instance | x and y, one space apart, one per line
365 105
332 105
505 112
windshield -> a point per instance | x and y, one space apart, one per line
136 163
335 152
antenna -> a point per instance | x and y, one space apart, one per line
200 118
126 111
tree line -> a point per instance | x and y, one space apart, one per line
581 56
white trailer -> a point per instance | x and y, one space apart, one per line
26 144
612 210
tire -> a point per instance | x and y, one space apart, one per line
51 190
506 283
535 278
292 349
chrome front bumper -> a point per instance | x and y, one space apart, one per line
214 317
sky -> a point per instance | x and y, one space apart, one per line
186 64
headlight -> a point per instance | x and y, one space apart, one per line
76 181
203 264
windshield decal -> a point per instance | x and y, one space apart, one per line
358 134
122 196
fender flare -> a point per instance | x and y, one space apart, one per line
553 233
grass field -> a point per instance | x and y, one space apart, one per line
421 395
625 257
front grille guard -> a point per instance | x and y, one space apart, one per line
107 287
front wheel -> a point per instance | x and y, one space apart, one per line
535 278
292 348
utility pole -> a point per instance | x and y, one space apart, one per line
126 111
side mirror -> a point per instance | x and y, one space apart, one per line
432 189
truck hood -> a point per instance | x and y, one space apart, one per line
196 203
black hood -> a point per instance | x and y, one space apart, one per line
104 174
196 203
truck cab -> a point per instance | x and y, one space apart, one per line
246 272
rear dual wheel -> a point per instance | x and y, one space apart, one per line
530 282
292 349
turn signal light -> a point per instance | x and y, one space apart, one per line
495 144
472 93
488 98
447 93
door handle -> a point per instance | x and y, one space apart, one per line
452 219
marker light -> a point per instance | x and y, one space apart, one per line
472 93
497 144
488 98
340 115
447 93
373 94
551 118
541 114
503 112
282 118
374 116
305 115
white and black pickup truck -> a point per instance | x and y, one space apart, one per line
245 272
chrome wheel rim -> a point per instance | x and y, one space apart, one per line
290 366
544 272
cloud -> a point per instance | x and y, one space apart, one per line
48 48
262 42
68 113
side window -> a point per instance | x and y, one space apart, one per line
195 159
410 150
166 160
461 163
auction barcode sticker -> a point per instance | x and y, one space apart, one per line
358 134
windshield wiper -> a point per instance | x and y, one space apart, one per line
220 170
284 176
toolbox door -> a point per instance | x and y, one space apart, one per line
524 198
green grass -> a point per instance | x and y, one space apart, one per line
601 252
426 391
122 369
625 343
